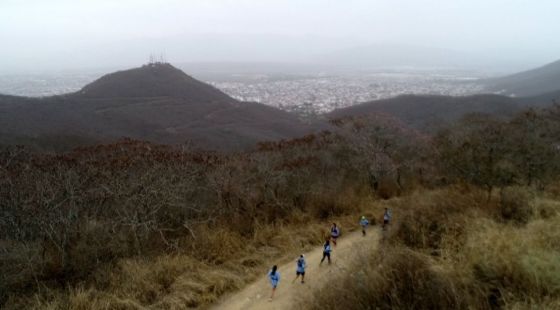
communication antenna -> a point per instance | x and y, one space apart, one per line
157 59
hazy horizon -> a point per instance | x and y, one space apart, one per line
72 35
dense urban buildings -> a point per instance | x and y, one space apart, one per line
324 93
304 94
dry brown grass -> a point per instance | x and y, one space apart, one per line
435 220
546 208
394 278
216 262
452 249
516 204
519 264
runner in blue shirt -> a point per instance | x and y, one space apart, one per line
300 268
364 223
326 252
386 218
274 278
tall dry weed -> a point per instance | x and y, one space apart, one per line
436 220
515 204
520 263
394 278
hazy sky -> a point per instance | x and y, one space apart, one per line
93 33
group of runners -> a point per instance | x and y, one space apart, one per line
274 274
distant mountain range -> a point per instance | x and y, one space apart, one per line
413 57
396 56
534 88
160 103
430 112
545 79
156 102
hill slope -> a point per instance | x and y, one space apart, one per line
540 100
430 111
534 82
154 80
157 102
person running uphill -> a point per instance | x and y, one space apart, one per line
274 278
364 223
326 252
335 233
300 268
386 218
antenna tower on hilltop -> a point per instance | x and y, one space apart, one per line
157 60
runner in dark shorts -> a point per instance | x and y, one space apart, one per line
386 218
326 252
300 269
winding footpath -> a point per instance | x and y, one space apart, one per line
289 295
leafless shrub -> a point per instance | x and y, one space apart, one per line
515 204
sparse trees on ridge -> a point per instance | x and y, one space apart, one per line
384 149
491 153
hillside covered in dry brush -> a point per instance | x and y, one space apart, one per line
135 224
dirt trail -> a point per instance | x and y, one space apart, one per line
255 295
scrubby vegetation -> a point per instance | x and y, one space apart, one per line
448 250
464 245
133 224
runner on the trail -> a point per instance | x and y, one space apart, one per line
386 218
335 232
364 223
274 278
300 269
326 252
